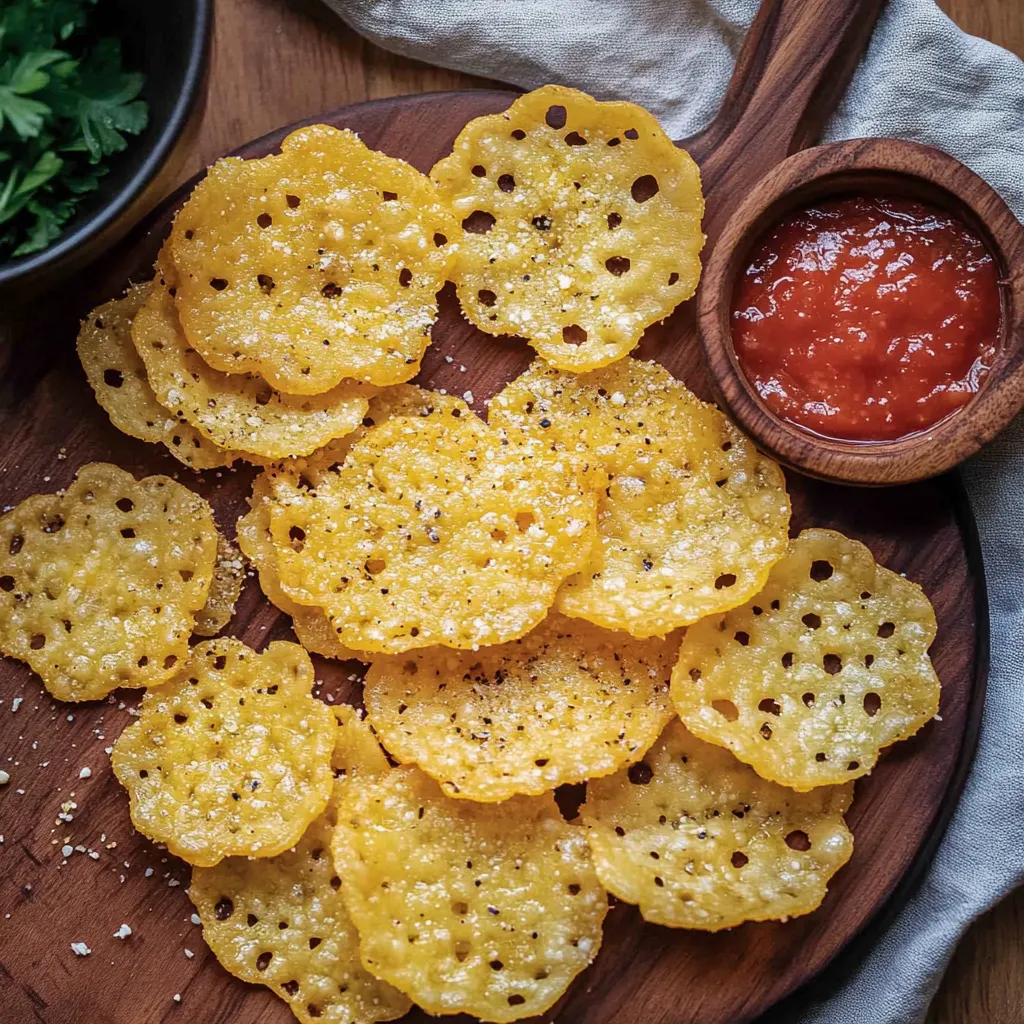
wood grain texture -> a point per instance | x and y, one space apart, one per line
984 982
792 70
278 61
879 167
285 38
999 21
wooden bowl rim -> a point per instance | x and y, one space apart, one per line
832 169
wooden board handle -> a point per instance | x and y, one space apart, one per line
796 62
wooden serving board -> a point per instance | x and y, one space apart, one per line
791 71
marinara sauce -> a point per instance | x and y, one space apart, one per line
867 318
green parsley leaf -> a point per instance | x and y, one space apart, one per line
67 106
28 74
25 115
46 227
105 103
18 79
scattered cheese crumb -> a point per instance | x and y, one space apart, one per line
177 997
16 703
66 850
80 949
196 919
85 773
123 932
189 954
4 778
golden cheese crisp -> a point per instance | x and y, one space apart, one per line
812 677
312 266
99 585
691 517
281 921
564 703
311 625
118 377
580 224
231 757
463 909
435 530
698 840
228 577
281 481
238 410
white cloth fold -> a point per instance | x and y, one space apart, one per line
921 79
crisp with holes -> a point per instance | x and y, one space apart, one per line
118 377
435 531
705 843
463 909
240 411
231 757
811 678
281 922
580 224
311 625
566 703
283 482
100 585
296 268
690 516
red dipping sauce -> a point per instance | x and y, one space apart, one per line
867 319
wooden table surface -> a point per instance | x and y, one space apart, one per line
276 61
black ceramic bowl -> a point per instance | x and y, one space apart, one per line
170 43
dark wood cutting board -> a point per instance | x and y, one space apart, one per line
794 65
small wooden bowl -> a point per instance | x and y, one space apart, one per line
868 167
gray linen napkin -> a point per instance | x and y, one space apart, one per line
922 79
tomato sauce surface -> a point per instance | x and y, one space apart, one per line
867 319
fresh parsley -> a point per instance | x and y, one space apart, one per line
66 105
